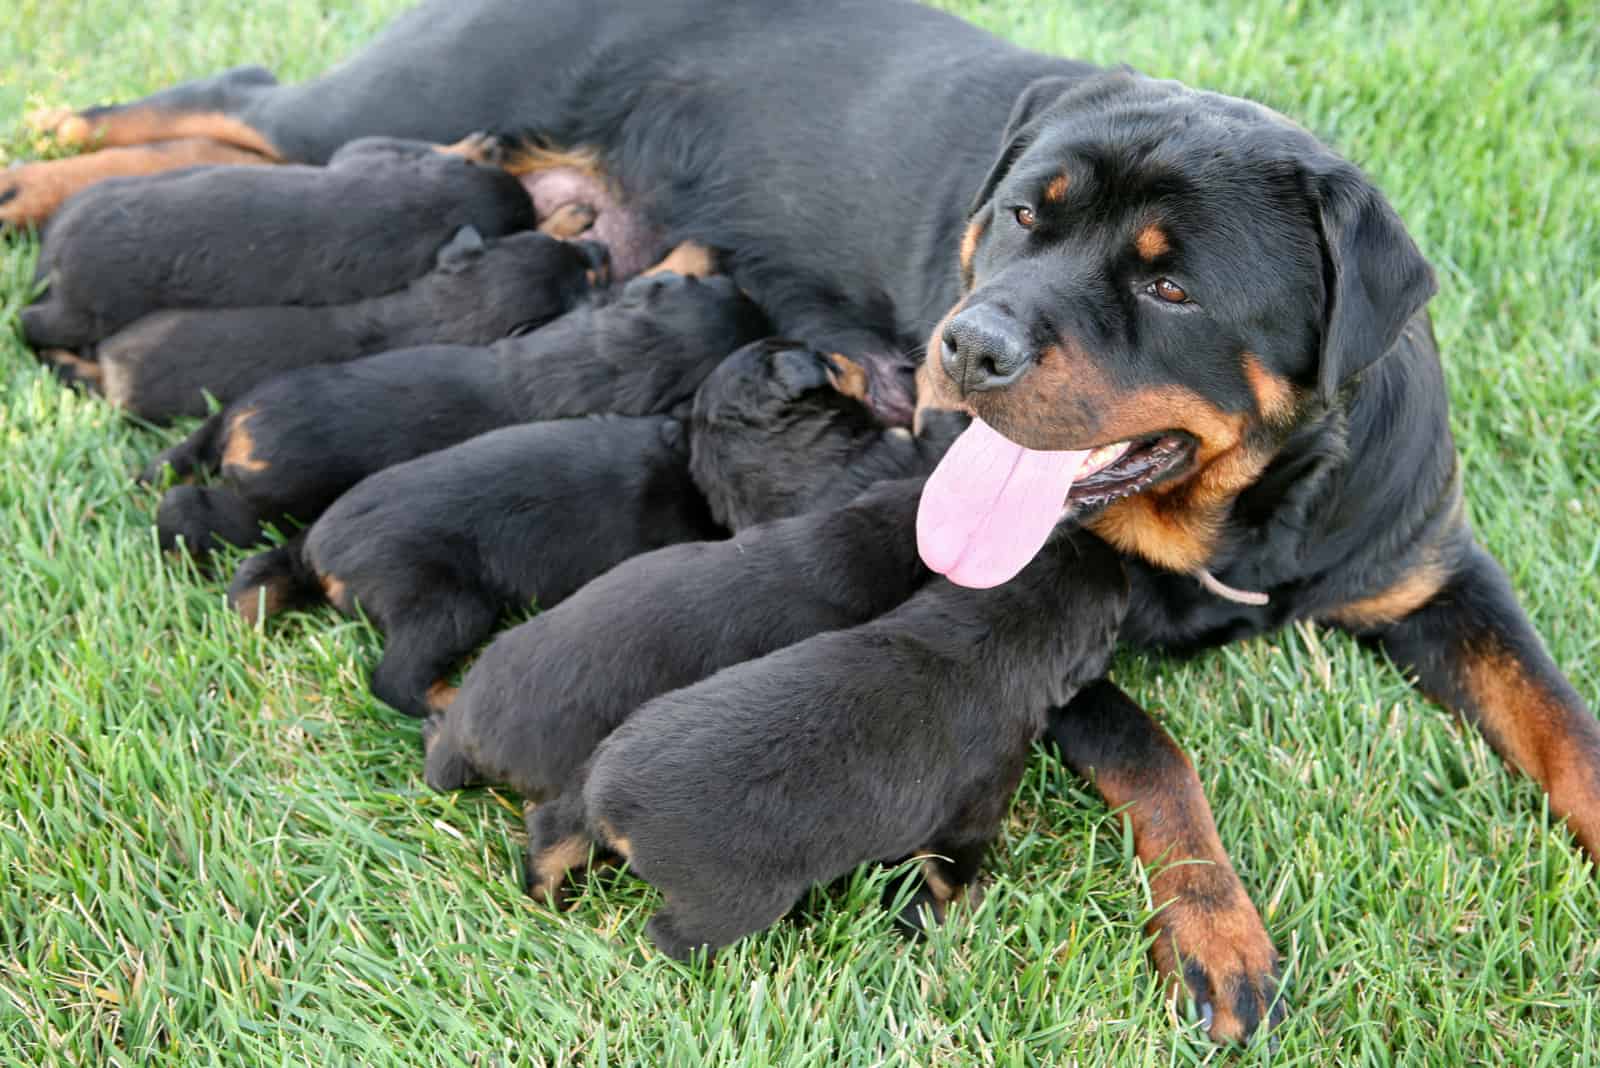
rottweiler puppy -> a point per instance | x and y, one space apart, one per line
436 550
545 693
290 446
234 237
779 428
166 364
901 736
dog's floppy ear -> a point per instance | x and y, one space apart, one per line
464 248
1021 128
1374 276
1042 97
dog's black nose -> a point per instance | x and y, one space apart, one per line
984 348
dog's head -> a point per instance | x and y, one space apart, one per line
1158 283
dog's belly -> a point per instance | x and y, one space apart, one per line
832 146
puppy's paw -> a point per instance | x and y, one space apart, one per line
665 932
568 221
1213 940
490 150
71 369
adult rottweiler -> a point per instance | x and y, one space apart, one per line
1110 258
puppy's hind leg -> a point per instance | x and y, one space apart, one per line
699 920
559 844
197 519
445 767
274 581
945 875
424 643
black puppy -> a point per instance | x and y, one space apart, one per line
903 735
779 428
164 365
290 446
437 549
233 237
544 694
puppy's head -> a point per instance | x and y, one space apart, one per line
1158 283
527 275
669 318
774 425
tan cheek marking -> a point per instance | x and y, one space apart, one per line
847 376
690 259
239 453
969 247
1276 399
1152 242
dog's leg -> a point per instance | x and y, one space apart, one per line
424 643
184 126
1472 649
945 875
1207 931
444 767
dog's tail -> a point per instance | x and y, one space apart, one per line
275 581
197 519
200 451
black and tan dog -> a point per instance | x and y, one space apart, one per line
904 735
541 697
436 550
366 224
779 429
168 363
1186 273
290 446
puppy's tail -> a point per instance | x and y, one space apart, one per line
274 581
200 451
195 519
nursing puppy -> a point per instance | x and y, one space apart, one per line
234 237
164 365
541 697
779 429
290 446
436 550
904 735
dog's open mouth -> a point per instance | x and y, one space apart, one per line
1113 472
991 504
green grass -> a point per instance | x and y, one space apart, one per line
215 847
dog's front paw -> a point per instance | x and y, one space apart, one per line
1212 939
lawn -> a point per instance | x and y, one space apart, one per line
216 848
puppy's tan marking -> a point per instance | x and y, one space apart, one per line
847 376
239 453
568 221
74 368
333 588
440 695
690 259
550 867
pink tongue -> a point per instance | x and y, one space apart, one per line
990 505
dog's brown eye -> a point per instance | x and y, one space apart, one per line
1169 291
1025 217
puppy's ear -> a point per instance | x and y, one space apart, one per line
1040 99
1374 276
797 371
464 248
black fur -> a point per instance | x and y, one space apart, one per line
320 430
231 237
436 550
164 365
773 436
544 694
905 734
